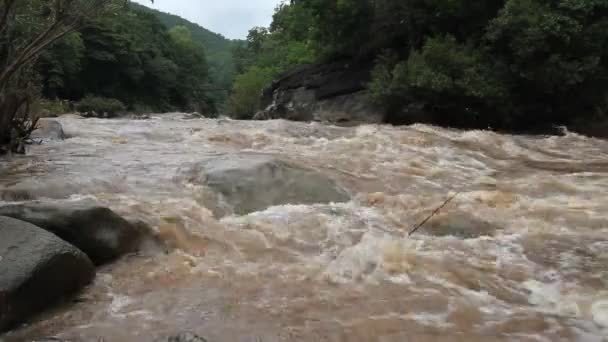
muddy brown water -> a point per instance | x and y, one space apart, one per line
520 255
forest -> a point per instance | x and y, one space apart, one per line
104 57
148 60
474 64
496 63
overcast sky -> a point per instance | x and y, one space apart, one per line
231 18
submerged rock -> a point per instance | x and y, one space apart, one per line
97 231
193 116
254 182
460 225
36 269
184 337
48 130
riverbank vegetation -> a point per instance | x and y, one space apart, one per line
102 55
500 63
28 28
505 64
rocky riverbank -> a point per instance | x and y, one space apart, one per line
48 252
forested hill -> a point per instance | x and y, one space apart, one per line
217 47
214 42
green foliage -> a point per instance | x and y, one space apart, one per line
191 69
132 57
218 51
499 63
451 78
533 62
267 53
50 108
101 106
61 65
28 28
556 53
245 100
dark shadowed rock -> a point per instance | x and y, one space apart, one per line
97 231
36 269
48 130
592 128
460 225
332 92
253 182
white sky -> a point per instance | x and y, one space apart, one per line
231 18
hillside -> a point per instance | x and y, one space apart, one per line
218 50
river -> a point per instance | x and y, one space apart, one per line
522 255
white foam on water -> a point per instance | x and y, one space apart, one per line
119 303
599 311
523 186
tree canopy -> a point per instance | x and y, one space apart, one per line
269 51
27 29
499 63
218 50
130 56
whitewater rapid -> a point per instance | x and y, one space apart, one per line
521 254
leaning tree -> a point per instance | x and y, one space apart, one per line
27 28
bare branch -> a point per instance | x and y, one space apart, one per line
450 199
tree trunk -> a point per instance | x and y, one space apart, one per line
9 105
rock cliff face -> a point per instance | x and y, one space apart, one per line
332 93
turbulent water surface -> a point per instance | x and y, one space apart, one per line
520 255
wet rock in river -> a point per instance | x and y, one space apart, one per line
36 269
97 231
193 116
48 130
460 225
254 182
326 92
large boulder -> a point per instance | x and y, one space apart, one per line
332 92
36 269
48 130
253 182
97 231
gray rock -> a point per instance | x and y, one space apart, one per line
48 130
36 270
327 92
97 231
254 182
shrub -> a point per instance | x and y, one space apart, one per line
50 108
141 108
452 80
100 106
245 99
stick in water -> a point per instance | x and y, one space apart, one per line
434 213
